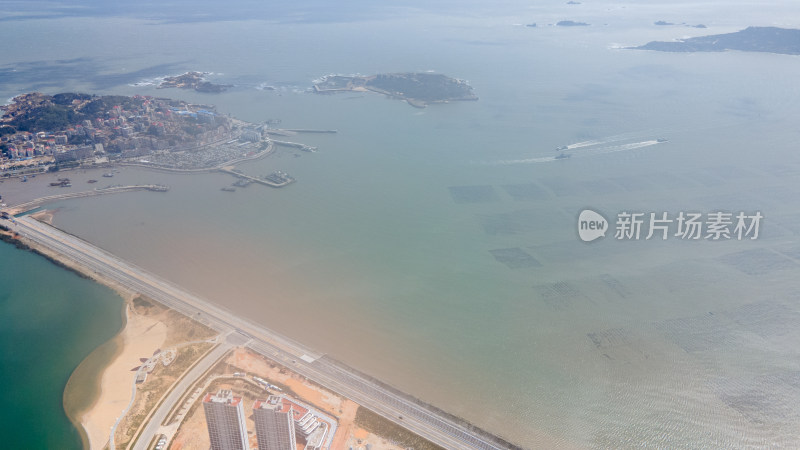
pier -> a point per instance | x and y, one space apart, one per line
295 131
24 207
276 132
271 181
306 130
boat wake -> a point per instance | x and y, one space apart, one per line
580 150
635 135
620 148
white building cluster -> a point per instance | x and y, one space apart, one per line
279 421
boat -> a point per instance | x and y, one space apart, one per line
108 174
564 156
661 140
228 189
563 147
92 181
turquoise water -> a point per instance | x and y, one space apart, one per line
50 319
380 255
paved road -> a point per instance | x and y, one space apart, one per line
385 401
158 417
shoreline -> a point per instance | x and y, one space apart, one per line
96 364
86 379
140 337
88 273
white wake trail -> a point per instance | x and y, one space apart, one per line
585 154
619 148
511 162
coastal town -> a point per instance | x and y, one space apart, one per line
44 134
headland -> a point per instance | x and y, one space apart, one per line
62 131
42 133
752 39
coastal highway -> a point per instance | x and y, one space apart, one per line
384 400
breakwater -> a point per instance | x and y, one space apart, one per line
27 206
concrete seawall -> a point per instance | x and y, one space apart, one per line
33 204
304 130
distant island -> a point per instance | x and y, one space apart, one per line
418 89
193 80
571 23
752 39
665 23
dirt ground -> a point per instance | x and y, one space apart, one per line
193 435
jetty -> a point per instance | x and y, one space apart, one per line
277 179
306 130
276 132
33 204
303 147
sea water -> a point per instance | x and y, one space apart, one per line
50 319
437 248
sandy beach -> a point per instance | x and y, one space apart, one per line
44 215
140 337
